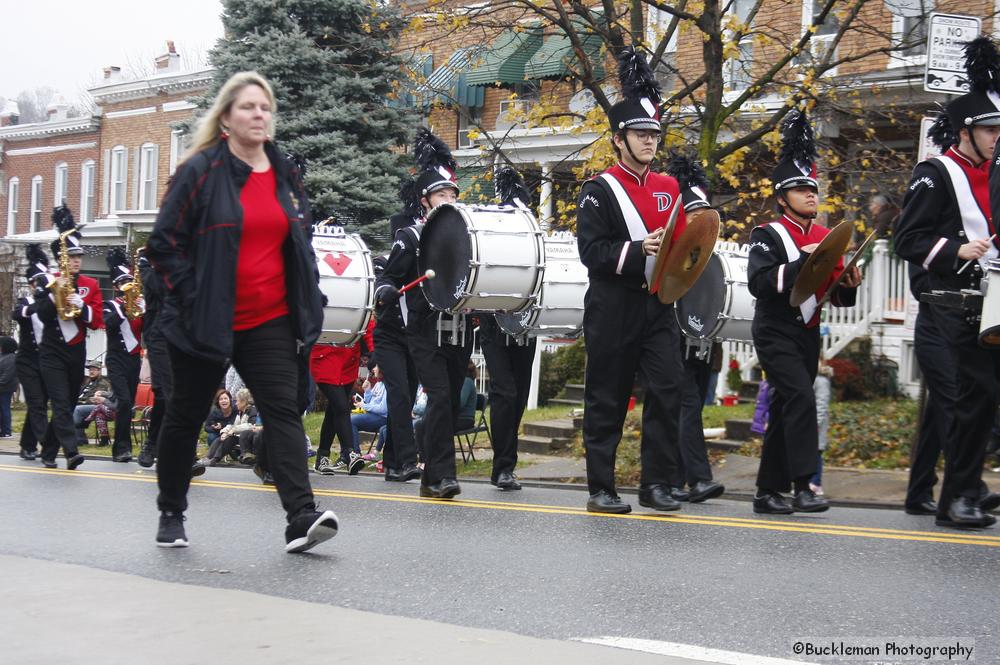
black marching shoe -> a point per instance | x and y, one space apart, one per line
391 475
925 507
679 494
27 454
965 512
658 497
123 457
704 490
171 531
265 476
197 469
507 482
771 503
74 461
310 528
988 500
446 488
606 502
409 471
807 501
49 463
146 455
988 521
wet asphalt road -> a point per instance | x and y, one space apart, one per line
532 562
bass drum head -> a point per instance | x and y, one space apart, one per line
445 248
516 323
699 310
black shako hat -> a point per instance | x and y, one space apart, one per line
639 107
797 160
979 106
38 263
119 265
437 166
692 180
62 218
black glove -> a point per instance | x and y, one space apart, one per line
389 295
324 299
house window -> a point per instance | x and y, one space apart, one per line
61 187
469 118
736 70
822 39
13 194
119 165
36 203
178 144
88 174
909 36
148 154
657 22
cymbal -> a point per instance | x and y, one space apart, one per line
850 264
665 241
689 255
821 263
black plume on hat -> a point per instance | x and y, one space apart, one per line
38 262
119 264
510 187
982 64
411 200
691 179
981 105
431 152
636 78
941 132
797 140
62 218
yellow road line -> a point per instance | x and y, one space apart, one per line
956 538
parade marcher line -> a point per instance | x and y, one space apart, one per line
701 520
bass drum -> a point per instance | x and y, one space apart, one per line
347 279
559 312
719 305
486 258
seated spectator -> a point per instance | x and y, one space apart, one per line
238 438
8 383
103 412
466 409
89 398
373 417
222 414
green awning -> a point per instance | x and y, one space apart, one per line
556 55
448 82
421 66
504 61
474 186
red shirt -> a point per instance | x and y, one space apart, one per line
803 236
261 294
654 195
338 365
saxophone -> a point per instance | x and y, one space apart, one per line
133 290
62 290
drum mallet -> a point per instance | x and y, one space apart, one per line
430 274
969 262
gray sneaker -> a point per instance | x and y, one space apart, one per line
355 465
340 464
324 467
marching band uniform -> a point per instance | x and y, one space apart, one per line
161 375
787 338
63 350
29 373
946 205
441 362
399 454
124 356
626 328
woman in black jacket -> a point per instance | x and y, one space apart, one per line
8 383
232 244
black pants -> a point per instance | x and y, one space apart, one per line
36 419
337 419
265 357
442 371
62 374
626 332
400 376
978 376
789 355
693 453
245 442
123 372
509 366
937 364
161 381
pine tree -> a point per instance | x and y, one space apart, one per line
332 66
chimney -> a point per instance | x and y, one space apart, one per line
169 62
10 115
112 74
58 109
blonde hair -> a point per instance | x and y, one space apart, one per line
209 129
243 395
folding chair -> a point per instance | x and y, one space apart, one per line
466 438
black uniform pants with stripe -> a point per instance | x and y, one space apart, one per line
789 355
939 368
441 370
693 454
509 366
161 381
975 406
629 332
336 419
36 419
62 373
123 372
265 357
400 377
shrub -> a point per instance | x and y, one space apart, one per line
734 380
565 365
848 383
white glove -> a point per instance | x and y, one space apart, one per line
76 300
141 302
